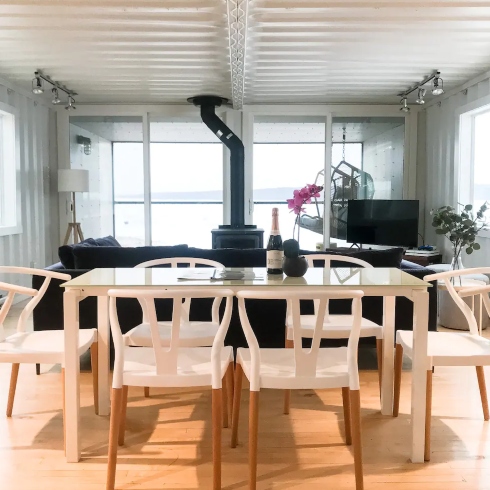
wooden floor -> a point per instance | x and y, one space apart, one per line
168 443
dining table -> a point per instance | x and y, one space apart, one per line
388 283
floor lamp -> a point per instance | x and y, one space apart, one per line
73 180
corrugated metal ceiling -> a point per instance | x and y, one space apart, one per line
309 51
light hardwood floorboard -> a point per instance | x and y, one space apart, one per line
168 439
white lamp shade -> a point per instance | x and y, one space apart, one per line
72 180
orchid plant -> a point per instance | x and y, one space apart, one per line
300 198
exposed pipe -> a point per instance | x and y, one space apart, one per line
208 104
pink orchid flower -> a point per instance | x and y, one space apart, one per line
314 190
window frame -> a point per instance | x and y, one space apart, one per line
465 151
10 176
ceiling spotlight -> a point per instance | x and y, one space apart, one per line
70 105
56 99
404 107
37 84
438 88
420 96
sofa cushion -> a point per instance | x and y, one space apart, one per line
107 257
65 252
390 257
107 241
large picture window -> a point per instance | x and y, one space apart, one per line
474 157
481 160
186 186
10 199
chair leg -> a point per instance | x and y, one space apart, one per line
122 422
230 384
483 391
117 395
64 408
347 416
14 374
428 415
38 369
253 429
217 409
287 393
94 362
379 358
355 401
398 379
147 392
224 396
236 404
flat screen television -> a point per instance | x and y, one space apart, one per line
383 222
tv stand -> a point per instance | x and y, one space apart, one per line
356 245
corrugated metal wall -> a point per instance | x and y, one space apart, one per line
37 245
441 179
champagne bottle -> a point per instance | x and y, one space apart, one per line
275 251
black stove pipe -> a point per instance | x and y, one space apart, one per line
208 104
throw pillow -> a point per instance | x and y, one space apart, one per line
107 241
65 252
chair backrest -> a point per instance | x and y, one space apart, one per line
483 291
327 259
166 357
36 294
305 360
175 262
451 279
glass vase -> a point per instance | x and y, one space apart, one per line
456 265
456 262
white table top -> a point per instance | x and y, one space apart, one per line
345 277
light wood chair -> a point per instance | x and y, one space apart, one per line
299 368
335 326
39 347
449 348
192 334
172 366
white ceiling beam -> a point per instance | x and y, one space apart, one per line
237 28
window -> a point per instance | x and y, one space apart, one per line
474 157
481 160
10 198
186 180
287 154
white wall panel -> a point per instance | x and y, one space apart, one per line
442 181
383 159
37 245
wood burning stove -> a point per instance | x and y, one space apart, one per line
237 234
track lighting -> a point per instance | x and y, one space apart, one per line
404 107
438 88
56 99
420 96
70 105
38 88
37 84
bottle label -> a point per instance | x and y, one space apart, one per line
274 259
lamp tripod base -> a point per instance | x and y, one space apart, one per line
77 233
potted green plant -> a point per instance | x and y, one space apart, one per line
461 229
